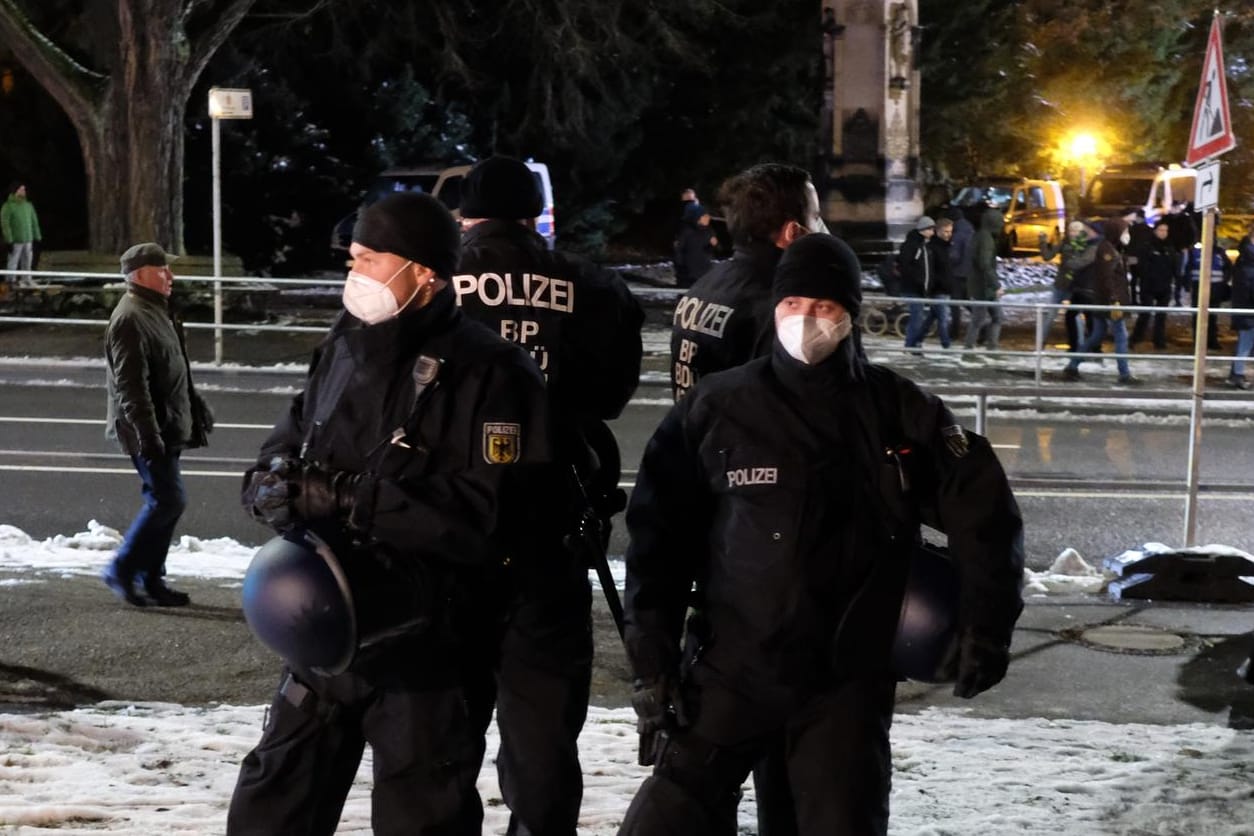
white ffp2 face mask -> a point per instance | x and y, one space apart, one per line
810 339
370 301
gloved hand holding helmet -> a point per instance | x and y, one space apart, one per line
292 491
659 708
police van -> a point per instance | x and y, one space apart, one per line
444 183
1153 187
1035 208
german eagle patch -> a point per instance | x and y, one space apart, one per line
502 443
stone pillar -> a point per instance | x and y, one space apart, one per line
869 184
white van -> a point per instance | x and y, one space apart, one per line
1036 208
445 183
1153 187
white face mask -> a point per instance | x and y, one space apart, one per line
370 301
810 339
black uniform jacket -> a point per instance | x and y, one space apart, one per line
726 317
775 488
148 381
433 471
578 321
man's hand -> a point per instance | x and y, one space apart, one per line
982 663
1116 313
659 708
292 491
267 494
151 448
325 494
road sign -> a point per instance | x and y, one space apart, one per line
1211 134
1207 187
230 103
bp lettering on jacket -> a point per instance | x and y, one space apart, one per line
710 318
529 290
743 476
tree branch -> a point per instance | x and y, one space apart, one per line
75 87
220 19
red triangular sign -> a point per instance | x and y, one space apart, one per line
1211 134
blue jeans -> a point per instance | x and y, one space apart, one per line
1094 342
147 541
921 318
1245 344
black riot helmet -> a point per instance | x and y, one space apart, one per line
928 623
317 611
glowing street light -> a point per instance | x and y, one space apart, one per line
1082 148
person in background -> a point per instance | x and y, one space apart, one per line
1183 234
921 278
583 331
767 489
1220 288
1077 253
984 285
1155 268
694 248
725 317
154 414
960 265
19 227
1111 289
1243 298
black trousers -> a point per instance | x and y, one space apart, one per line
1156 299
535 667
295 781
835 757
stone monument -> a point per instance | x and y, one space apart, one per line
870 144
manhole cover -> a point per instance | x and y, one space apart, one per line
1130 638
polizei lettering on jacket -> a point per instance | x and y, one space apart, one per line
523 289
693 314
742 476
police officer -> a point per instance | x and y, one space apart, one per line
790 490
725 318
397 450
581 325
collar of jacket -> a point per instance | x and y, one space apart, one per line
496 228
405 333
149 295
843 369
763 255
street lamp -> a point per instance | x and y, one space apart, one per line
1083 147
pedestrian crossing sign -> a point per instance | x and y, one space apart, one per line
1211 133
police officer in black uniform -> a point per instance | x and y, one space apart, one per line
790 491
725 318
412 419
581 325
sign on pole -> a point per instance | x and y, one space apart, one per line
1211 134
1207 187
224 103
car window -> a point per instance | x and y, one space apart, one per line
1183 188
1122 191
1036 198
998 196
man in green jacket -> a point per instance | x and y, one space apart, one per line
983 285
154 413
20 227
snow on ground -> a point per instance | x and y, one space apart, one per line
160 768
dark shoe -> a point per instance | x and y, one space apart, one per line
164 596
123 587
1238 382
1129 380
1069 373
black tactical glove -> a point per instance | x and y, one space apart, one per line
981 663
659 708
291 491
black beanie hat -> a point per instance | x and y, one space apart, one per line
502 188
821 267
414 226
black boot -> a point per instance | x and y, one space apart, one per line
123 585
164 596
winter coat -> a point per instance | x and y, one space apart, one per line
961 254
983 283
1243 285
1077 254
768 486
1183 231
1110 276
19 224
1156 267
916 267
147 377
726 318
693 251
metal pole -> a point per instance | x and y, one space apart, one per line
1040 339
1199 377
217 241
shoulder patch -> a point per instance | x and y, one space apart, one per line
502 442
